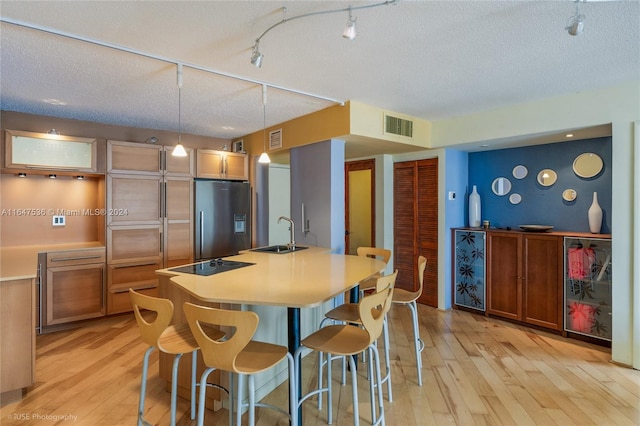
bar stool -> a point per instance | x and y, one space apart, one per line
408 298
174 340
237 354
348 313
345 340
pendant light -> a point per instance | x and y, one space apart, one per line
264 157
179 150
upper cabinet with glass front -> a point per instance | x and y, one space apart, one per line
43 151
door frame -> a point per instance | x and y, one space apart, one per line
352 166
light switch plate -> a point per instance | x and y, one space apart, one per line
58 221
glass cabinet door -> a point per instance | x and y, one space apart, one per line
588 286
469 287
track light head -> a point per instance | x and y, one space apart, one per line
256 56
350 30
576 22
576 26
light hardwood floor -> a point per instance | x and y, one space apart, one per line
476 371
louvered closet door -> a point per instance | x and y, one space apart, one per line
416 225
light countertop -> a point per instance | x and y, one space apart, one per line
20 262
304 278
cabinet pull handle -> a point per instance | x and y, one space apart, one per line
64 259
153 262
201 233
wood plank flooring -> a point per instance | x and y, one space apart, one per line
477 371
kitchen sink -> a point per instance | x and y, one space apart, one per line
280 249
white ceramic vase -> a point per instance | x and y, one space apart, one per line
474 208
595 215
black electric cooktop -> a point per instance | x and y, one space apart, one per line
211 267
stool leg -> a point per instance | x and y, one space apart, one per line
252 400
417 343
174 387
320 362
387 377
373 383
143 385
239 398
231 398
354 391
203 393
194 380
380 418
329 393
293 388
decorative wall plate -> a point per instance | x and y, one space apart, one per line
587 165
547 177
536 228
501 186
520 171
515 198
569 194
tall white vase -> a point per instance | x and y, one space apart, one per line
474 208
595 215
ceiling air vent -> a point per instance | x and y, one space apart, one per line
398 126
275 139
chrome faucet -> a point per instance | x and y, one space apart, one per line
292 244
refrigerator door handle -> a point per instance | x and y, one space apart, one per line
201 233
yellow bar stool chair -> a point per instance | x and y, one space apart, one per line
345 340
408 298
237 354
174 340
348 313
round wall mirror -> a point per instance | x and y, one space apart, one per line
587 165
547 177
520 172
501 186
569 194
515 198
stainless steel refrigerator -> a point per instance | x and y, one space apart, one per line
223 218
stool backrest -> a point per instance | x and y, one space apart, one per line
221 354
375 252
374 306
151 331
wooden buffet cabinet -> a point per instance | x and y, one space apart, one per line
515 275
524 277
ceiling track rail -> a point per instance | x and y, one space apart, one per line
165 59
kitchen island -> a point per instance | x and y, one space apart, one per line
289 292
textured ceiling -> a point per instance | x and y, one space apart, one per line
428 59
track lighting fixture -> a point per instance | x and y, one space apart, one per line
22 175
256 56
179 151
350 30
53 132
348 33
264 157
576 22
52 176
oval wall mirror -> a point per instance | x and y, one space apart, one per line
569 194
515 198
547 177
520 172
501 186
587 165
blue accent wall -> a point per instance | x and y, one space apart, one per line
542 205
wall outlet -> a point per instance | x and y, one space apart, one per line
452 195
58 221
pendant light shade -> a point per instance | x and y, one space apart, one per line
179 150
264 157
350 30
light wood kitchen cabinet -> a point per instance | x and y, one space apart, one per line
214 164
178 166
17 337
74 287
134 158
524 277
42 151
134 199
150 193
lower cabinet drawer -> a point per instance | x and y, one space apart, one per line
120 301
122 277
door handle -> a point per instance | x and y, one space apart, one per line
201 233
